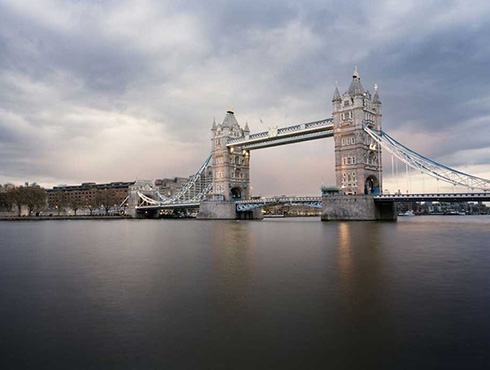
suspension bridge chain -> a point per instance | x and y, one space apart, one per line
193 191
426 165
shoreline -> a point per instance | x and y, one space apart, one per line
59 218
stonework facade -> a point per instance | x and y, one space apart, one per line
230 167
358 167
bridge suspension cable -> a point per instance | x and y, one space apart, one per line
426 165
193 191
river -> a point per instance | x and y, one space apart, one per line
291 293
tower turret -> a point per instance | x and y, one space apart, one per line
230 167
336 100
376 100
357 158
246 130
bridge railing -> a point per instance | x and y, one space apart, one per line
434 195
282 131
280 200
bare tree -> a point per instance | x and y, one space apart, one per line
60 201
91 204
75 204
19 196
106 198
34 198
9 196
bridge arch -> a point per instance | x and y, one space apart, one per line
371 185
236 193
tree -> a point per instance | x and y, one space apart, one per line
34 198
60 201
75 204
3 197
106 198
18 195
91 204
8 196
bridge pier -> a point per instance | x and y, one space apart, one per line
226 210
356 208
217 210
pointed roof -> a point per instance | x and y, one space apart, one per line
336 95
376 95
214 125
356 74
230 120
355 87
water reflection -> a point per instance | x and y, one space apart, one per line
345 257
233 259
360 265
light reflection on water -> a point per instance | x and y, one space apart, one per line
287 293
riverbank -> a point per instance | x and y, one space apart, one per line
57 218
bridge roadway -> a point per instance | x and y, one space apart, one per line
246 205
435 197
284 135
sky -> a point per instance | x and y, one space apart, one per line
121 90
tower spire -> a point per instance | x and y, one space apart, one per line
336 94
376 95
355 87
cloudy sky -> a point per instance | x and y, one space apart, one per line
99 90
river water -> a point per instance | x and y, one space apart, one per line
279 293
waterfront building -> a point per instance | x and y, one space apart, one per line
86 193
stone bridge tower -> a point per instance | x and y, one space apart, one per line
231 168
358 167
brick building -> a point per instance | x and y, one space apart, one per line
86 193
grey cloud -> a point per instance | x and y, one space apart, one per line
84 73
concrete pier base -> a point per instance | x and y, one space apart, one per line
356 208
217 210
225 210
132 204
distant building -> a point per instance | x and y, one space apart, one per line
169 187
86 193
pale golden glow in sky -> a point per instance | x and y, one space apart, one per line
120 90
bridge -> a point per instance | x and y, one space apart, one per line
220 188
286 135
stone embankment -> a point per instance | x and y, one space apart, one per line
57 218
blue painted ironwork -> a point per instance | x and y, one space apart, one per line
248 205
191 193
